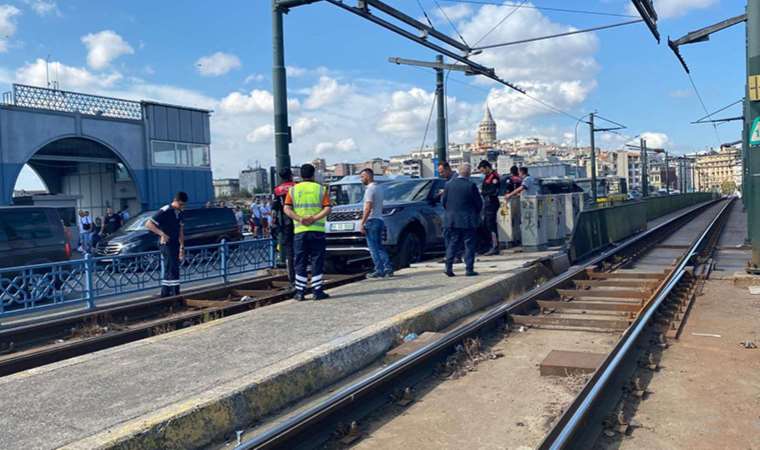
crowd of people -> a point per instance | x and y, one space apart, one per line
93 230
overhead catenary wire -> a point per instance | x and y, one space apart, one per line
543 8
451 22
501 22
704 107
424 13
719 110
429 119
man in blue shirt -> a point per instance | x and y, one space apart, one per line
529 185
168 224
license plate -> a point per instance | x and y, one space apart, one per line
341 227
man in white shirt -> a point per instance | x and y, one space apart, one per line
85 231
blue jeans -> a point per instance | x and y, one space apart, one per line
374 230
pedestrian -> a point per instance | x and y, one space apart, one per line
85 232
266 217
239 218
308 204
111 223
96 236
372 225
282 225
528 185
513 181
490 193
168 224
124 213
447 173
256 217
463 204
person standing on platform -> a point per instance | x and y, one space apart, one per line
266 217
308 204
256 217
463 204
490 192
513 180
446 173
282 225
168 224
529 185
85 232
239 218
372 225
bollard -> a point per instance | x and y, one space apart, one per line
224 254
89 277
532 224
508 221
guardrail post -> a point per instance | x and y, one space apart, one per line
224 254
89 278
272 253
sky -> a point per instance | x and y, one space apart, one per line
347 103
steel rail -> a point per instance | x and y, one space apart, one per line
280 434
573 420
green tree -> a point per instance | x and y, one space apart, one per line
728 187
245 194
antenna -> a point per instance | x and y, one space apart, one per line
47 71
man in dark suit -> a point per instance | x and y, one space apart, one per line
462 203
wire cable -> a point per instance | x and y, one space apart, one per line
424 13
720 110
501 22
702 102
429 119
543 8
443 12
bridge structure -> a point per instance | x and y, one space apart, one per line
106 152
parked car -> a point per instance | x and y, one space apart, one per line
32 235
202 226
349 190
413 218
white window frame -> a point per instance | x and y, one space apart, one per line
180 161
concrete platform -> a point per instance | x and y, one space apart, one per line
188 388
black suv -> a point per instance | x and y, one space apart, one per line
31 235
202 226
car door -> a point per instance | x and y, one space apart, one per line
437 211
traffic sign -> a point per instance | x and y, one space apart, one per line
754 132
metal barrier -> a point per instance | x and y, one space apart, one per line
598 228
45 286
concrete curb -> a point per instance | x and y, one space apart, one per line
214 415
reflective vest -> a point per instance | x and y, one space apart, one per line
307 201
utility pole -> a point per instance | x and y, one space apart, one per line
282 137
667 175
593 158
644 168
752 121
441 143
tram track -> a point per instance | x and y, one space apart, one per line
55 339
603 295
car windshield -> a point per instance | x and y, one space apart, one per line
405 191
138 223
346 194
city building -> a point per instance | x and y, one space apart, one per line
715 168
226 187
628 166
254 180
486 136
343 169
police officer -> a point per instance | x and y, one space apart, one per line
282 225
168 224
490 192
308 204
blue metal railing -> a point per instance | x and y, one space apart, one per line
46 286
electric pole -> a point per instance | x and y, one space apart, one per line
282 137
752 123
644 169
593 158
441 144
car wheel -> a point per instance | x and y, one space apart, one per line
410 250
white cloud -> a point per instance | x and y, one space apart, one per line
258 100
217 64
264 133
454 13
254 78
295 71
680 93
656 140
667 9
327 91
305 125
104 47
43 7
346 145
68 77
8 15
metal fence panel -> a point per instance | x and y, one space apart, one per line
598 228
45 286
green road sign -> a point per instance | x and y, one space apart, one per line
754 132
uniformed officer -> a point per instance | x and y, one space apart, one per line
282 225
168 224
308 204
490 192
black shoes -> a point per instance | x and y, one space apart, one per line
299 296
320 295
471 273
449 273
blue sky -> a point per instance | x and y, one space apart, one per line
348 102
